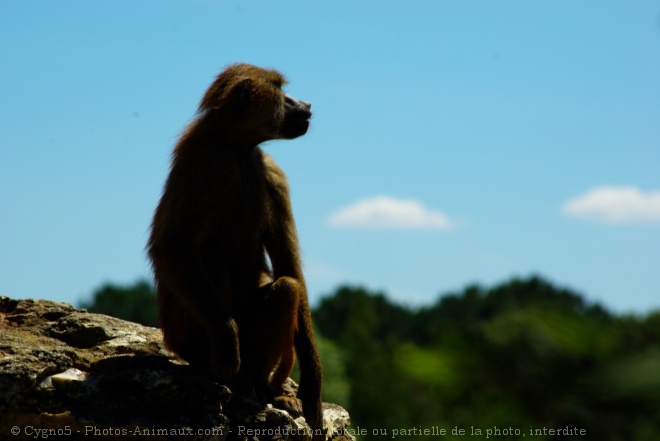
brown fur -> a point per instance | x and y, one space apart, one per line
226 204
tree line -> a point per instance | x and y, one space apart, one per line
522 356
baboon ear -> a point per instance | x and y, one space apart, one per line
242 94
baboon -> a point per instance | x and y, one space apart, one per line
224 214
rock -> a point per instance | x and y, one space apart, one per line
68 372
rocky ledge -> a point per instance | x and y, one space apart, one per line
68 372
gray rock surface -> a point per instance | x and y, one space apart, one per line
68 372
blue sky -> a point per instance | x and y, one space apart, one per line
452 142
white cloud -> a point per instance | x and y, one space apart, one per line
388 212
616 205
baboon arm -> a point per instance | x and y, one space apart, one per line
281 242
282 246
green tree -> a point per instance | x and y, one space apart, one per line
388 321
367 326
135 303
336 387
523 354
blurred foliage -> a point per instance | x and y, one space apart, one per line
336 388
523 355
135 303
